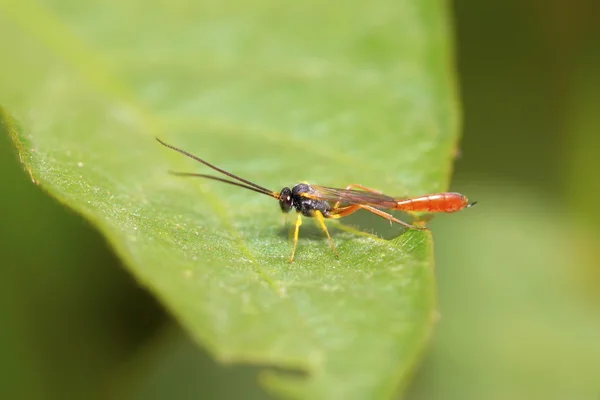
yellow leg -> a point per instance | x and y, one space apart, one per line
321 223
296 230
285 219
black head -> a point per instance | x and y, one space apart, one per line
285 200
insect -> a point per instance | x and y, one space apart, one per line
321 202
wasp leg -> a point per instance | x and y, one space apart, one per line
358 186
285 220
361 187
339 212
390 217
368 189
318 216
296 230
344 211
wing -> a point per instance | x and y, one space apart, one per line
351 196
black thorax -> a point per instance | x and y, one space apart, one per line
306 205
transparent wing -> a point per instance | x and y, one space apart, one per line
351 196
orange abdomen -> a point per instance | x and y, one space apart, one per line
440 202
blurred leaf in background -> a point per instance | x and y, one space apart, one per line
70 314
520 304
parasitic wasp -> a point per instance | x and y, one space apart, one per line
316 201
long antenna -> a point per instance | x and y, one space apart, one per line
193 157
216 178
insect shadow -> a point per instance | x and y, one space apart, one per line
362 221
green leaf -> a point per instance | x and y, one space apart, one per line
332 93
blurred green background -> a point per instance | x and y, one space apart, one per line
519 291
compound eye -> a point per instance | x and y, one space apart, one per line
285 201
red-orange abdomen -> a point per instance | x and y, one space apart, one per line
440 202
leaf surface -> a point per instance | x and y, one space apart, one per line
331 93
